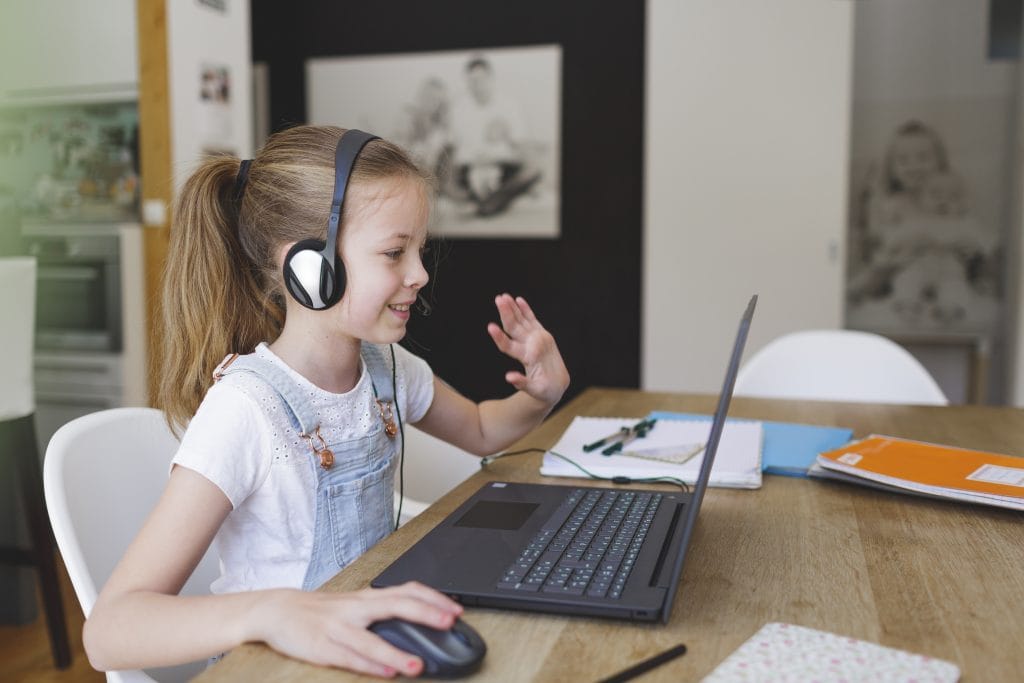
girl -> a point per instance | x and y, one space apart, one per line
287 464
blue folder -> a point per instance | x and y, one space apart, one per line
789 448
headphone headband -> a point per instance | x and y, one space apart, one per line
349 146
313 271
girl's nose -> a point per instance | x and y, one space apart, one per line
417 277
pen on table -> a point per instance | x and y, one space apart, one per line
621 434
638 431
646 665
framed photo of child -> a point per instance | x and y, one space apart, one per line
484 123
925 240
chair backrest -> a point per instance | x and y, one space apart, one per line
432 468
18 312
102 475
838 365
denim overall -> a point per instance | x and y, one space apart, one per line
355 479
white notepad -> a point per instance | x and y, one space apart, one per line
737 462
785 653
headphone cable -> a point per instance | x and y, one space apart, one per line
619 479
401 431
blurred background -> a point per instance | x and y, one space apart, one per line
856 164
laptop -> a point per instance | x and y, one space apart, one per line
577 550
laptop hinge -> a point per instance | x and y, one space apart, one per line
669 537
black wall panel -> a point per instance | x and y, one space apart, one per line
584 286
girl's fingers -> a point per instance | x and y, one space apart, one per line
527 312
508 307
352 660
501 340
375 651
407 608
516 379
426 594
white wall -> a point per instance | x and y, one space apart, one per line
1015 293
747 122
200 36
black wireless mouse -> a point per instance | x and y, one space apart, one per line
453 653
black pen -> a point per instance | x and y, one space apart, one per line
621 434
646 665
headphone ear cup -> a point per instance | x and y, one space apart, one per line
312 279
333 281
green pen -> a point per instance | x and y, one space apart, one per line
638 431
621 434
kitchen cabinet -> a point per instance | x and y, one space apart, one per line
56 51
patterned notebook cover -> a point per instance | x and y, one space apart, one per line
784 653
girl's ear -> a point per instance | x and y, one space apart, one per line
282 252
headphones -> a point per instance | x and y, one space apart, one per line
313 272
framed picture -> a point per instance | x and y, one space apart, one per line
926 242
485 123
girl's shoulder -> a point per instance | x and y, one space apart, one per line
228 441
233 400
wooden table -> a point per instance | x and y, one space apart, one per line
936 578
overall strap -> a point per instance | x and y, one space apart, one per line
381 373
301 413
382 377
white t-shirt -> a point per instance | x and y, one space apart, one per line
241 441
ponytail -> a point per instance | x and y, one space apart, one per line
213 298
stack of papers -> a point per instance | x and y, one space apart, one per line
789 448
907 466
737 462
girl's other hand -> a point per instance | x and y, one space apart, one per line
330 629
523 338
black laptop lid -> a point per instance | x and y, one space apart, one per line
717 425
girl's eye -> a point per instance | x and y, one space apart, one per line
394 254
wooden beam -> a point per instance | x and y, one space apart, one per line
155 159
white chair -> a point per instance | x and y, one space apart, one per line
838 365
103 473
432 468
18 442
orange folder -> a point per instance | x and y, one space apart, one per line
945 471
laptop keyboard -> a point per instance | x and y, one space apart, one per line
587 547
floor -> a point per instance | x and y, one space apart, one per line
25 650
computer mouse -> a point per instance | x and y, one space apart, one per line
453 653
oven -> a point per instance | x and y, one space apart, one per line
78 287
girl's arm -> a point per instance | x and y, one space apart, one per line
139 620
490 426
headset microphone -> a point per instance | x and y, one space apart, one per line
313 272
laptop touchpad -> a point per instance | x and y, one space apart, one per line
492 514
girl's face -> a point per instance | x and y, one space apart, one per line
381 247
913 159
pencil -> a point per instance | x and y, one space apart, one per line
646 665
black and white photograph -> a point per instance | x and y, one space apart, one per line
485 123
925 248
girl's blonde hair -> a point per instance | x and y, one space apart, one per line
222 289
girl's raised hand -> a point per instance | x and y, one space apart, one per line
522 337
